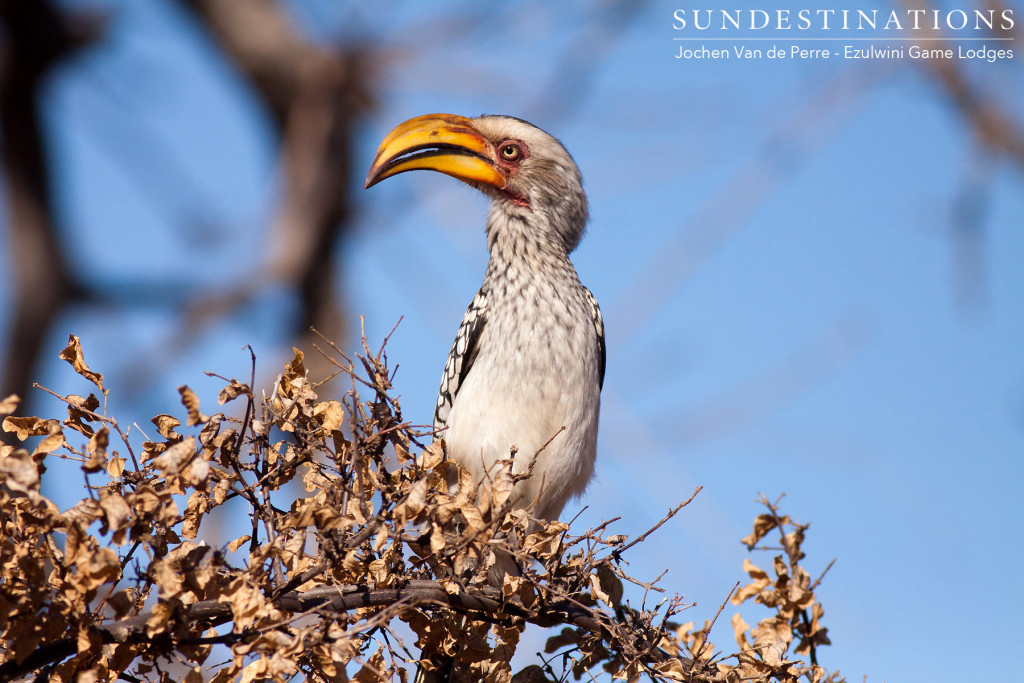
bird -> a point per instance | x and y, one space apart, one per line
524 374
526 368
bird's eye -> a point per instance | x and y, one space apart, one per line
511 151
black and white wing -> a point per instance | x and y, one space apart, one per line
595 315
461 357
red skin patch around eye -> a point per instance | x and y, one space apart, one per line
511 167
505 163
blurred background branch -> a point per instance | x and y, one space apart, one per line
37 37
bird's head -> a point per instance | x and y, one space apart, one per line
532 181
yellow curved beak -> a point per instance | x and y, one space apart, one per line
436 142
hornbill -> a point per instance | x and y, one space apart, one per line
527 365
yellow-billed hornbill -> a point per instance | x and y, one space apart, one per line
529 357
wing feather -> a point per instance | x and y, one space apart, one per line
460 359
598 319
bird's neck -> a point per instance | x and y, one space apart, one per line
524 242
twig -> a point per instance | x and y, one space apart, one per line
817 582
617 553
707 629
97 417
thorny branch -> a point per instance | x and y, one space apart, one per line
378 535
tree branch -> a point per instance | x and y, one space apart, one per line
340 599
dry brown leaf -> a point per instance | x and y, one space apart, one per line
191 403
165 424
233 391
247 603
237 543
78 518
97 450
330 415
432 455
762 525
82 412
413 504
73 355
25 427
116 511
115 466
546 540
611 585
49 444
19 473
197 505
501 484
739 631
9 405
174 458
97 567
437 542
197 472
88 641
373 670
761 581
673 670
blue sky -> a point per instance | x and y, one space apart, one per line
791 225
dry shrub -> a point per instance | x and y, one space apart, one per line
313 583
